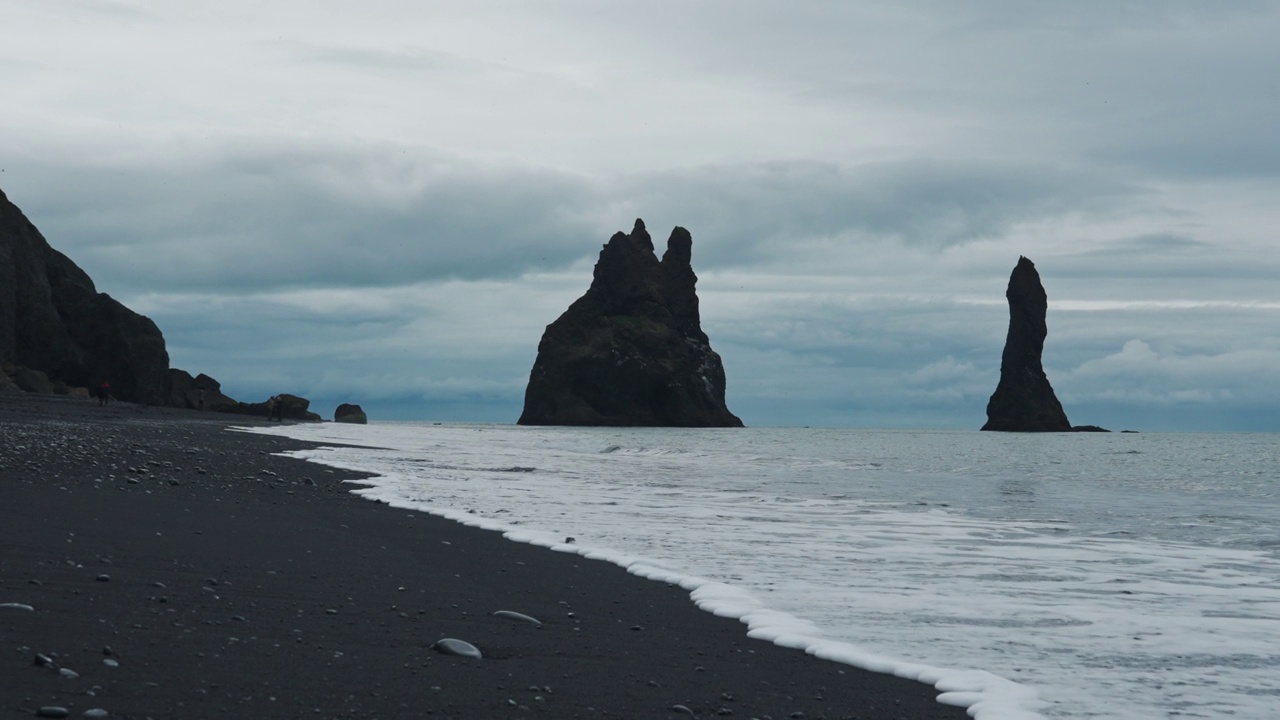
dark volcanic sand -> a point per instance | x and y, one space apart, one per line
229 582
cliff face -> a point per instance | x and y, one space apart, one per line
631 351
53 319
1024 401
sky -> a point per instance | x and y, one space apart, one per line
386 202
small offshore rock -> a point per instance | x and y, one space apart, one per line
52 711
461 648
520 617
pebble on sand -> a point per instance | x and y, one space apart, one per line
461 648
52 711
521 617
17 606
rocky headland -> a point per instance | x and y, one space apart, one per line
1024 400
631 351
55 322
60 336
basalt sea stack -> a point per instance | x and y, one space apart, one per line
1024 400
631 351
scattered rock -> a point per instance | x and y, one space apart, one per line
17 606
349 413
52 711
95 714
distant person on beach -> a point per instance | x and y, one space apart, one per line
104 392
200 400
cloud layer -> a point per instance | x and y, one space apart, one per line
387 205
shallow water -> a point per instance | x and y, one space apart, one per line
1057 576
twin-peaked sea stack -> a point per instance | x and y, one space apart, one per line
631 351
1024 400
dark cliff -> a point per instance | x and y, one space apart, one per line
53 319
1024 401
631 351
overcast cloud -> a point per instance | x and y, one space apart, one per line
387 202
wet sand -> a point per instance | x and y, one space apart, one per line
178 569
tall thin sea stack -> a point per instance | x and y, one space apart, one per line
631 351
1024 401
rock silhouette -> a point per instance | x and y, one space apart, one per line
59 335
350 413
1024 400
53 319
631 351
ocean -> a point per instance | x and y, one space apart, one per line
1066 576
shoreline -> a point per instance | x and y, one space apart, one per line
239 582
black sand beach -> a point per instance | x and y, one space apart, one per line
181 570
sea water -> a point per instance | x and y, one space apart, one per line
1127 576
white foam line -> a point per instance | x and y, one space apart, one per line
984 695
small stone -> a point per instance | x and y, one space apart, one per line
519 617
681 709
110 662
461 648
95 713
17 606
68 673
52 711
103 578
43 660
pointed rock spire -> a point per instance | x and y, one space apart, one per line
1024 400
